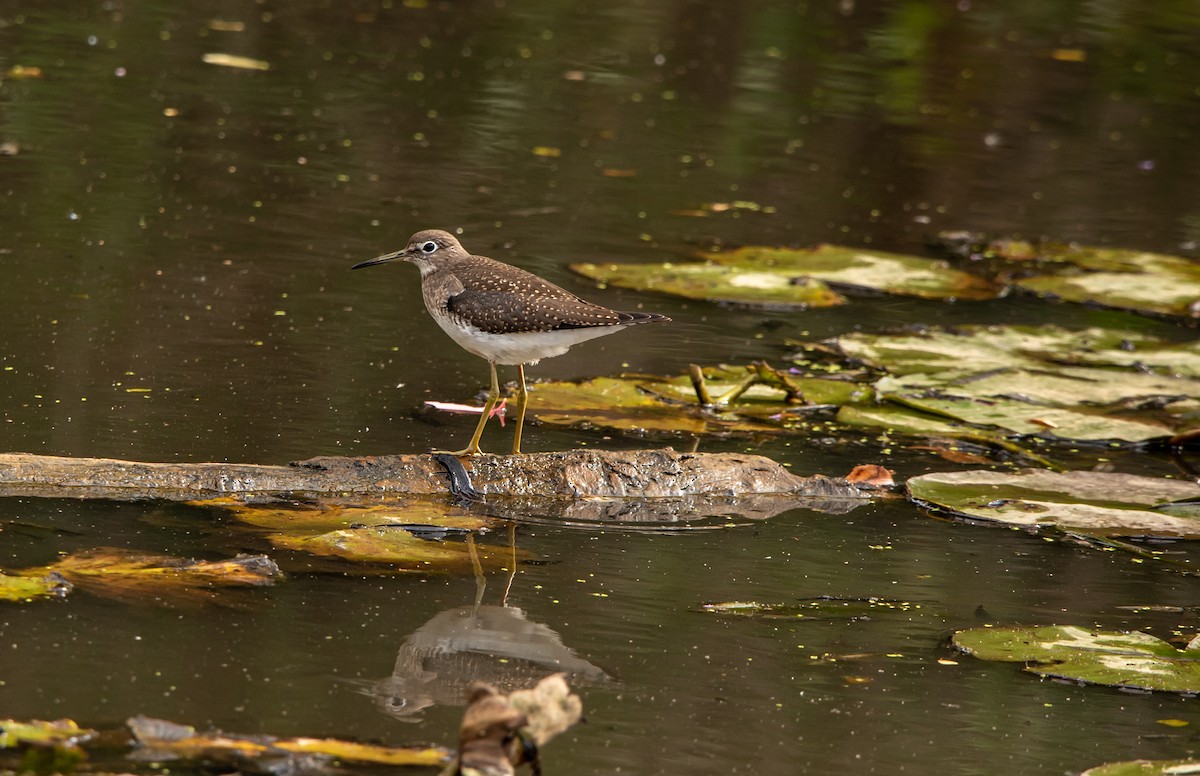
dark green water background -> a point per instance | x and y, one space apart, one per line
175 238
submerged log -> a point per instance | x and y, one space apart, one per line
568 475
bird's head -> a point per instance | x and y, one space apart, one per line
423 248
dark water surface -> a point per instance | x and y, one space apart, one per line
175 238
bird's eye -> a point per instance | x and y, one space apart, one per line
429 247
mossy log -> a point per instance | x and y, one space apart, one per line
573 475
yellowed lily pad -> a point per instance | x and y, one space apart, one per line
395 536
22 588
795 277
1102 503
398 549
1132 660
320 518
62 732
163 740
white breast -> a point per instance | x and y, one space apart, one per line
518 347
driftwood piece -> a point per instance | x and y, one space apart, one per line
568 475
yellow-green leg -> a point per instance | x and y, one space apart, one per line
522 402
488 406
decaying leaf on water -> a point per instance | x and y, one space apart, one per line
871 475
1096 503
1132 660
235 61
1126 279
820 609
61 732
124 573
162 740
22 588
45 747
1146 768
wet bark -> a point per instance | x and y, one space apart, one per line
569 475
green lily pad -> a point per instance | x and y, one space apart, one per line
1025 418
1129 660
400 550
21 588
1163 293
1146 768
631 404
1120 278
974 350
1090 385
767 287
795 277
1102 503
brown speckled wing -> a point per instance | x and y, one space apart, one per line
500 299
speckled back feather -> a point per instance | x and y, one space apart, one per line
501 299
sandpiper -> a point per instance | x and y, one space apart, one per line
502 313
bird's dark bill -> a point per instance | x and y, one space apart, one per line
379 260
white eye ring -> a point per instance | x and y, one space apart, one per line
429 247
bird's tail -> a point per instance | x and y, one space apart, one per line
632 318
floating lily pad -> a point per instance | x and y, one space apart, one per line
1111 277
163 740
975 350
1094 385
766 287
1130 660
1093 502
1121 278
1025 418
795 277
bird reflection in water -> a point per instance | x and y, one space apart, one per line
496 644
